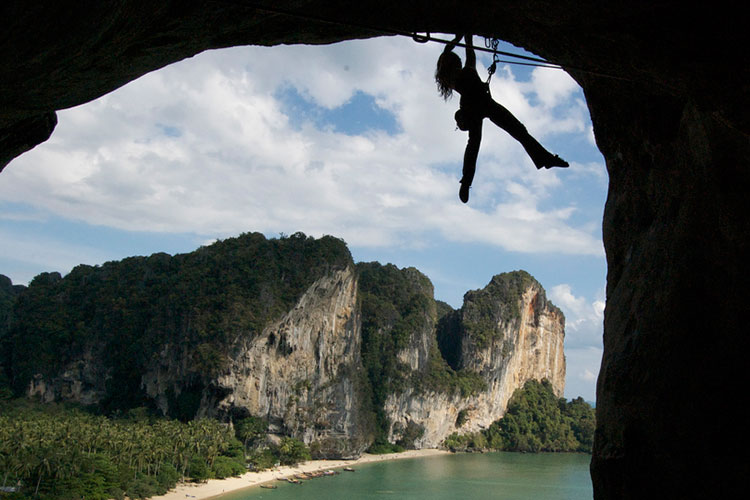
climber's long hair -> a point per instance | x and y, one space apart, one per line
448 67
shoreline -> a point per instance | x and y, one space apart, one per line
216 487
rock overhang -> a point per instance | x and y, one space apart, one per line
666 85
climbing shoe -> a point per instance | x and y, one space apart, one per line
556 161
463 192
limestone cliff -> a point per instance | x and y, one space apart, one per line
508 333
337 355
512 333
301 372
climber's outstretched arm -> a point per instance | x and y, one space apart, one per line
452 44
471 57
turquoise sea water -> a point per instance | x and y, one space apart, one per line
495 476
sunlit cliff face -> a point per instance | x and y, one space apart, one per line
669 116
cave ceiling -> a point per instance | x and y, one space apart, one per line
61 54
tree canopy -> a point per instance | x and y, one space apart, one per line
125 314
536 420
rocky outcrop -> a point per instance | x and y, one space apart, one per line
314 372
508 333
354 358
81 381
422 342
513 334
303 372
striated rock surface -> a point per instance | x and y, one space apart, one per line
508 333
302 372
512 334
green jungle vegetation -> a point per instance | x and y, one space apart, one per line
8 293
197 306
398 305
51 451
499 299
124 313
536 421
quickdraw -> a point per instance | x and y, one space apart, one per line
421 38
492 43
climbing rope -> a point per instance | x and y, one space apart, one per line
532 61
492 49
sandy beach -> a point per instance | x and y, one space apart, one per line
216 487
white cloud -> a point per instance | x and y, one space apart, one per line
552 87
205 146
587 375
583 317
582 371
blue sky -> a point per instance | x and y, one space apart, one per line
349 139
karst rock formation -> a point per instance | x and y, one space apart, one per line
666 83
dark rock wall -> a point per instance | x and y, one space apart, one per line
676 235
667 86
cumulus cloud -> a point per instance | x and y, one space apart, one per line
583 339
212 147
583 318
207 146
552 87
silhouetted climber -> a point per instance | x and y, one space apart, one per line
477 104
